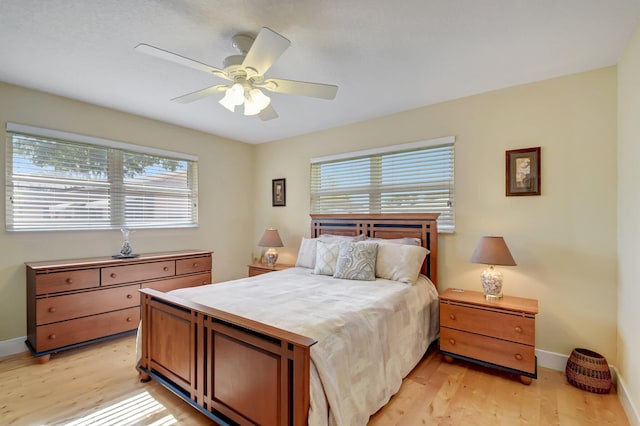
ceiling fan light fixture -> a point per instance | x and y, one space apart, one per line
255 101
227 102
233 96
259 99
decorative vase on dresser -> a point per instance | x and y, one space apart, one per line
494 333
75 302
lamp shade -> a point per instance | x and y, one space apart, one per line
270 238
493 251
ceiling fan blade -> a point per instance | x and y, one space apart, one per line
268 113
303 88
267 47
194 96
178 59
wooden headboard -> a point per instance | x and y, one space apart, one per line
422 226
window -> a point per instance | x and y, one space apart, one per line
416 177
61 181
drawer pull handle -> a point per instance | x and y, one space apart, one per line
452 316
113 275
452 341
129 296
518 357
52 337
52 309
166 268
195 264
69 281
129 319
204 282
518 329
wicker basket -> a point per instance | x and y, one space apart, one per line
588 371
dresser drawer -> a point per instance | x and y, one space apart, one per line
182 282
77 305
82 329
496 351
196 264
148 271
66 281
501 325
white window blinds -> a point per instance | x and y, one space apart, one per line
409 178
54 184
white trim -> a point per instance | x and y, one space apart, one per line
74 137
383 150
632 412
552 360
12 346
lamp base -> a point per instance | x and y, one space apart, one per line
491 280
493 297
271 257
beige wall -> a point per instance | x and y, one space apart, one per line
225 210
628 361
563 241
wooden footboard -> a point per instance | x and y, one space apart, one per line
232 369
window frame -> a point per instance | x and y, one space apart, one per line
375 190
118 190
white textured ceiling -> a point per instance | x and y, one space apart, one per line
385 56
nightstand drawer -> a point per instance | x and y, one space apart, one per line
501 325
496 351
82 329
129 273
60 308
66 281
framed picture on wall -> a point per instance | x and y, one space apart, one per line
278 192
523 172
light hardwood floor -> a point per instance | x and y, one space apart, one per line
97 384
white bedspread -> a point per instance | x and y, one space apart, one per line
370 333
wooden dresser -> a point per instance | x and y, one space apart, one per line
78 301
499 334
263 268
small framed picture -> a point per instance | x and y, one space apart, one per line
278 192
523 172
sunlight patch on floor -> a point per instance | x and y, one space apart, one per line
129 411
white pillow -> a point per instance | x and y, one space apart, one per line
409 241
326 258
307 253
334 238
357 261
400 262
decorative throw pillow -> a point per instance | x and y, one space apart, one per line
400 262
357 261
307 253
326 257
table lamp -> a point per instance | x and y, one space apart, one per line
271 239
492 251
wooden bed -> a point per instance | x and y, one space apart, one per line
236 370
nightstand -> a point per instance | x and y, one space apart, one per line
263 268
498 334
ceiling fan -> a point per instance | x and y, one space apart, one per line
246 74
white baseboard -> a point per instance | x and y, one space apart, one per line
633 415
552 360
12 346
556 361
